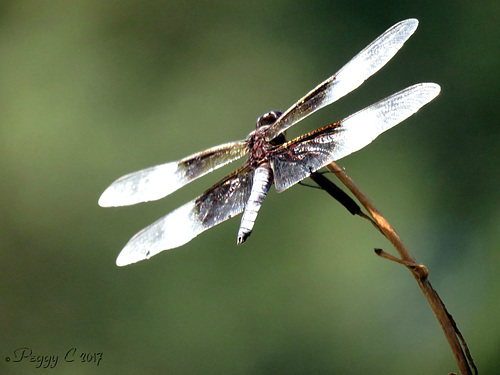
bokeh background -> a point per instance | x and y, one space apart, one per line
91 90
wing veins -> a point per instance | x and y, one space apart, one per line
156 182
296 159
349 77
225 199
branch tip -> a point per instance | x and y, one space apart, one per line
419 269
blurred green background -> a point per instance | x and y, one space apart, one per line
91 90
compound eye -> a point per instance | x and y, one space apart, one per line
268 119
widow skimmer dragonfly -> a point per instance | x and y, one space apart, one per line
271 159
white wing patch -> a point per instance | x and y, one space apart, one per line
173 230
142 186
156 182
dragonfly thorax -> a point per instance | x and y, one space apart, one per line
258 145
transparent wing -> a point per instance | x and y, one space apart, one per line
351 76
157 182
219 203
296 159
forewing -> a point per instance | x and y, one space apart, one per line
351 76
157 182
296 159
219 203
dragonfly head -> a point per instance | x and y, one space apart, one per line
265 121
268 119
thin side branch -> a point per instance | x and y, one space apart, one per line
420 272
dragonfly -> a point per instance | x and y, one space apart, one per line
271 158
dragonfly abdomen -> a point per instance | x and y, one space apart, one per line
262 181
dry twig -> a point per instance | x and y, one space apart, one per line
420 272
